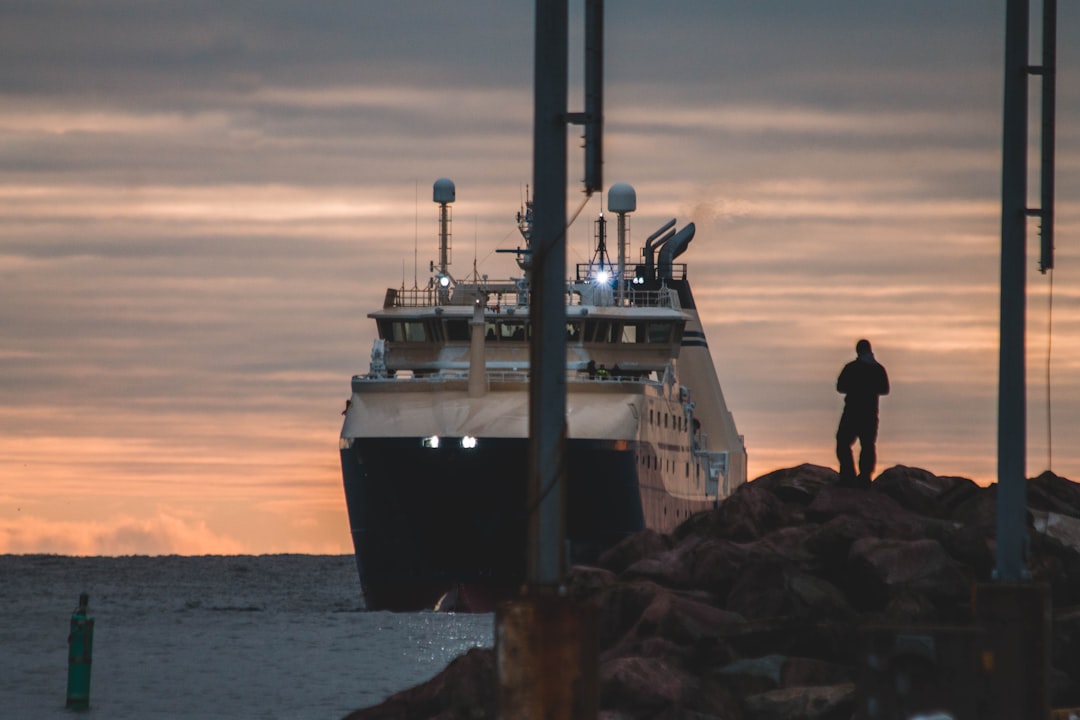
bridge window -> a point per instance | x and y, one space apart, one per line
659 332
600 331
506 331
403 331
457 330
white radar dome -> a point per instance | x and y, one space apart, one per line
621 198
444 191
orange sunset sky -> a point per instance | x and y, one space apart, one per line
201 201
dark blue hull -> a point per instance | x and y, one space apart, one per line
427 520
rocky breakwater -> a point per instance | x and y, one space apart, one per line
758 610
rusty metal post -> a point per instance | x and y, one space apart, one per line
1017 621
546 649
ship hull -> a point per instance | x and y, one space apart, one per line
426 521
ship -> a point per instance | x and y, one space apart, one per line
434 444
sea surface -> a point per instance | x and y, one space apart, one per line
269 636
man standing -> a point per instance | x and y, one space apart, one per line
862 381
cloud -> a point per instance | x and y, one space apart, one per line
161 534
201 202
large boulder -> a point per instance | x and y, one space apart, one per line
1065 653
619 608
631 549
1055 554
465 689
779 590
1051 493
640 687
652 688
799 485
684 621
751 512
978 512
922 492
880 568
882 515
830 702
705 564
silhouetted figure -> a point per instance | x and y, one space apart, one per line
862 381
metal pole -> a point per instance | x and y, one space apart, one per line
594 95
1049 72
1012 426
547 350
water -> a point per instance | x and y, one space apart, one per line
279 636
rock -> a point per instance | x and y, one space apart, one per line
671 568
1062 529
751 512
922 492
584 581
910 607
798 484
777 590
804 672
640 687
706 564
686 622
1065 653
879 568
465 689
619 608
1055 555
881 515
630 550
769 672
978 512
790 545
1051 493
832 702
758 610
653 688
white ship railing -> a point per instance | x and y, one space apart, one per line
503 376
430 297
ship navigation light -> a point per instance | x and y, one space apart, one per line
468 442
431 442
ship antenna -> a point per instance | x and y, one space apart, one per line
475 248
416 238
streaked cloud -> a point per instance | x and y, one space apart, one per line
201 202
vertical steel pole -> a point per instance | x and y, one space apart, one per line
1012 425
546 643
1049 110
546 564
594 95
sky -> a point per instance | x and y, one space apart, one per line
200 202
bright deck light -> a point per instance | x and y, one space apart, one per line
468 442
430 442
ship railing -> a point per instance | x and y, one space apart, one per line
410 297
664 297
503 376
501 299
609 274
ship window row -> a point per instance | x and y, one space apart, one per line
678 422
653 462
512 330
